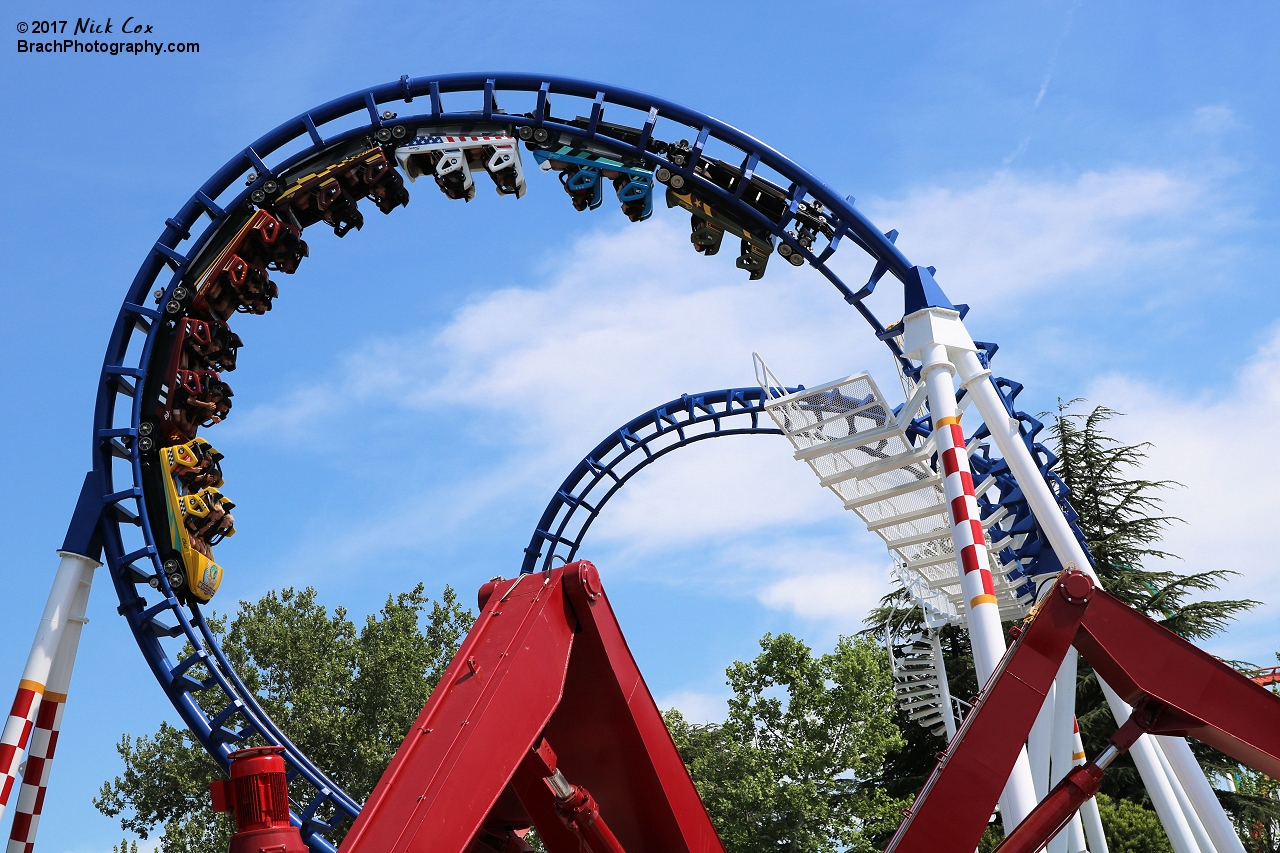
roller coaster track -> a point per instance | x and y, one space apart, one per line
638 443
112 515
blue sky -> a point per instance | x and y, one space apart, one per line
1098 180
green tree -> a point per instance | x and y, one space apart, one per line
345 696
1122 519
1131 828
1255 809
782 772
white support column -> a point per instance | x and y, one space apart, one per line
926 338
1039 745
35 675
1004 432
48 722
1091 819
1074 834
1184 803
1154 779
1188 772
1063 744
1064 717
944 688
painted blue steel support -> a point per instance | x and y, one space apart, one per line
204 688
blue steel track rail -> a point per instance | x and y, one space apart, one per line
214 703
631 448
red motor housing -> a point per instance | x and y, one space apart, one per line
258 798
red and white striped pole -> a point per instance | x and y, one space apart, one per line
968 537
74 570
48 720
921 340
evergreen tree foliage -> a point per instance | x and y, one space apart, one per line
345 695
1131 828
782 773
1122 519
1256 810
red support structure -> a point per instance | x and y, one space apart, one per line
1175 689
257 796
1265 676
542 720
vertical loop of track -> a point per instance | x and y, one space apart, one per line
202 685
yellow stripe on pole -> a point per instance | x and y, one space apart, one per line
34 686
947 421
59 698
982 599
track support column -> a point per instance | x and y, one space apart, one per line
73 571
48 721
1062 746
925 339
1187 771
1089 815
976 380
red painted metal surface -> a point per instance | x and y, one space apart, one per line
258 798
1053 813
1201 696
1175 689
545 661
577 809
1265 676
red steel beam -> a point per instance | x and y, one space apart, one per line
1201 696
545 665
1176 689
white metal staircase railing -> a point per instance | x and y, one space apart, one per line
860 449
916 687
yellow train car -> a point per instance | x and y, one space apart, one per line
196 520
331 193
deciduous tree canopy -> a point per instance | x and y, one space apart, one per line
782 773
345 696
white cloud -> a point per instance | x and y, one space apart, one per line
1014 234
1209 441
697 707
828 585
1214 120
621 321
532 377
717 489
